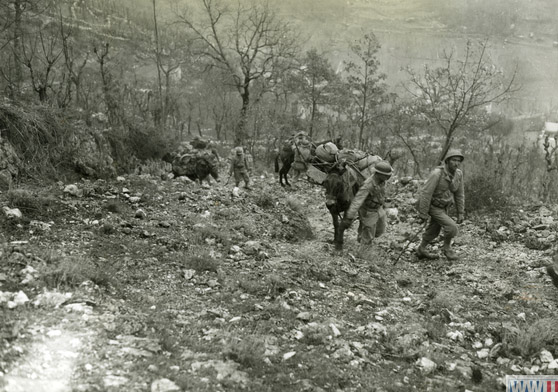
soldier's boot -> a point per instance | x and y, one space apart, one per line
551 270
448 251
422 253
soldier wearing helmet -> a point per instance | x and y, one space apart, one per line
443 189
239 168
368 204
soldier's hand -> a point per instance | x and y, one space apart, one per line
421 219
345 223
460 219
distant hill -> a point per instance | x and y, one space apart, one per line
415 32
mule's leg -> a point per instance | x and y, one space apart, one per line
286 168
337 232
281 177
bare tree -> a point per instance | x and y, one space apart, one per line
315 79
247 43
40 57
364 81
450 94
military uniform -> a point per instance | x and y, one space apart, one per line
442 190
239 169
368 203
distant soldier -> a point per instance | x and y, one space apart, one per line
368 203
443 189
552 270
239 168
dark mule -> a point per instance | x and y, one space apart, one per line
195 167
287 156
340 191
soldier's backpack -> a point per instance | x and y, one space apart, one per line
249 161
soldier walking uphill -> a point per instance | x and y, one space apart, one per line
443 189
239 168
368 203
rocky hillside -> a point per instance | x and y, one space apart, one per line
145 283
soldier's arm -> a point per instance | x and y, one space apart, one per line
357 202
428 189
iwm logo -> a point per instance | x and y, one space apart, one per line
531 383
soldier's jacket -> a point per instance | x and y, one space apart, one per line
238 164
442 190
370 196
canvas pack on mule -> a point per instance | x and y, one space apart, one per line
327 152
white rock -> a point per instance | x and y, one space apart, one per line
73 190
12 213
20 298
477 345
54 332
335 330
483 353
426 365
114 381
553 364
521 316
164 385
546 356
455 335
288 355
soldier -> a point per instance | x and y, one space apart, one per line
368 203
239 168
443 189
552 269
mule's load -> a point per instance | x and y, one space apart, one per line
193 162
327 152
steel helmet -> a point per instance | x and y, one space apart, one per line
384 168
454 153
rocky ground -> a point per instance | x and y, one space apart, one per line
151 284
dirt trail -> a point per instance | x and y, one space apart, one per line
50 361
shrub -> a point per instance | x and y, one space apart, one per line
485 193
66 272
264 200
201 263
249 351
541 334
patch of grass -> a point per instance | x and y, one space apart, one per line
248 351
541 334
204 232
272 285
115 206
32 204
295 205
442 300
264 200
201 263
63 272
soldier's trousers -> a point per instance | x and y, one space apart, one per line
372 224
241 175
439 221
